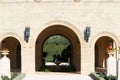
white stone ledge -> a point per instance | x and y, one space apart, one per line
40 1
57 0
12 1
52 64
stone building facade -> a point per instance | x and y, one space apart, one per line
64 17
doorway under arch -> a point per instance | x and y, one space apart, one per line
67 33
14 46
101 53
58 58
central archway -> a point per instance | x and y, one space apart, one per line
58 30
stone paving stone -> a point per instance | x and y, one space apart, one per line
57 77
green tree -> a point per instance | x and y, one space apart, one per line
53 44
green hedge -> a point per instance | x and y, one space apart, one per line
19 77
102 76
14 76
96 76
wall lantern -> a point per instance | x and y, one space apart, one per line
87 34
27 33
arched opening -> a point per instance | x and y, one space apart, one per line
65 32
101 52
58 58
13 45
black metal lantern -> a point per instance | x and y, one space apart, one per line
87 34
26 34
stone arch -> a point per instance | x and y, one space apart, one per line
58 22
7 40
65 29
99 45
11 34
96 37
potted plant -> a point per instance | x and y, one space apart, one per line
5 51
111 50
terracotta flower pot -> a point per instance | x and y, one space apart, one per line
5 52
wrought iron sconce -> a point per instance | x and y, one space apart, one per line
87 34
27 33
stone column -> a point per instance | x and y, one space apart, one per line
114 46
0 69
87 61
0 51
111 66
28 59
118 69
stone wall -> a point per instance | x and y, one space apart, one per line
103 18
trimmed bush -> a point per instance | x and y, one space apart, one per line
102 76
14 76
111 77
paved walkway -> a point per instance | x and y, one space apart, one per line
56 76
